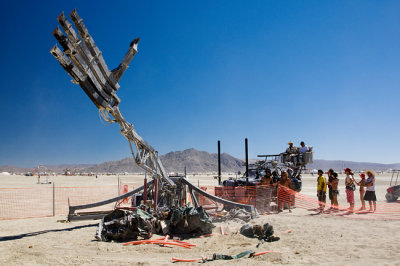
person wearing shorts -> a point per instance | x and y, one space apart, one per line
370 195
321 190
335 191
349 188
362 191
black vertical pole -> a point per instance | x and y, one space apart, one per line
247 160
219 162
54 210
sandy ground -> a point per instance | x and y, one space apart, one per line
314 239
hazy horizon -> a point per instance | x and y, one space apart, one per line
240 158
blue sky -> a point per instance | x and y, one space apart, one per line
326 72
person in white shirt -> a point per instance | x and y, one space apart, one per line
370 193
303 148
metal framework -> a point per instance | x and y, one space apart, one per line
84 62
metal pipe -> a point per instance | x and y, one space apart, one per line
155 194
119 189
54 212
156 184
219 162
145 189
247 160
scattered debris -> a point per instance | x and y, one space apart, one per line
207 235
240 214
163 242
225 257
262 232
188 220
124 225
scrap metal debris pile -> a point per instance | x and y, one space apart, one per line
188 220
262 232
125 225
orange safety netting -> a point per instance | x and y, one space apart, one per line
269 199
18 203
125 188
264 198
383 210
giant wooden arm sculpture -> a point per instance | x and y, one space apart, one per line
84 62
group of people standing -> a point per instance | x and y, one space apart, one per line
367 189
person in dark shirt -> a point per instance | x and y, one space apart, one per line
330 189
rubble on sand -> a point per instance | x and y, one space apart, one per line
190 220
125 225
232 214
262 232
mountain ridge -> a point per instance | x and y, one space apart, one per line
195 161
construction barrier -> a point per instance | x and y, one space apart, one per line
18 203
271 199
264 198
384 210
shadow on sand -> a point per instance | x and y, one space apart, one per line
7 238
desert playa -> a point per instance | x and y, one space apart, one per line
306 237
282 90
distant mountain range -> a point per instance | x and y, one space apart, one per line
341 165
195 162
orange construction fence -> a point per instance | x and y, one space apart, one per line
18 203
264 198
269 199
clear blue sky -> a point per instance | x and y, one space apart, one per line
326 72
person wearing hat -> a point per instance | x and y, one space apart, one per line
362 191
350 187
370 193
292 153
291 149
